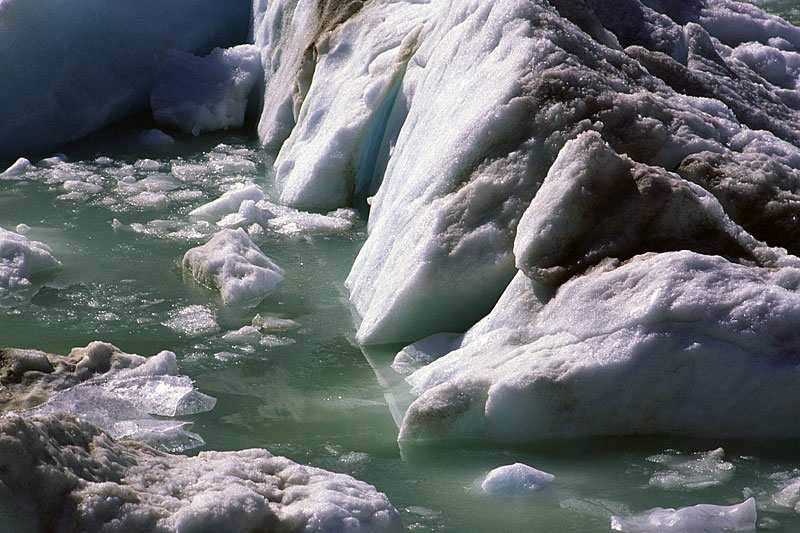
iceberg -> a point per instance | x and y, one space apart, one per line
674 343
450 163
93 482
600 241
79 67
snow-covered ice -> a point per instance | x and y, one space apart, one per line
201 94
702 517
232 263
516 479
93 482
78 67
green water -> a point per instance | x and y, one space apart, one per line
314 398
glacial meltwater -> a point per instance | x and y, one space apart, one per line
179 248
115 212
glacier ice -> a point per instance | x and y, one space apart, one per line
671 343
201 94
232 263
92 482
458 160
641 172
78 67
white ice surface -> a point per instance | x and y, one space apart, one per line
454 161
517 479
78 67
94 483
673 343
21 258
702 517
231 263
202 94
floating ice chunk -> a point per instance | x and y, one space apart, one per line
114 390
201 94
722 334
18 170
232 263
698 471
302 223
58 44
22 228
20 259
788 494
273 323
193 320
703 517
244 335
92 482
516 479
229 202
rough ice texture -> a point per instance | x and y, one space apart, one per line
78 67
59 473
703 517
21 258
114 390
202 94
356 105
517 479
673 343
231 263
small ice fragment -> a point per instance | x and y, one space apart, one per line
22 229
518 478
273 323
702 517
229 202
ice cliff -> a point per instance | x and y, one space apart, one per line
632 166
69 68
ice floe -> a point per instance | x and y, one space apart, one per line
232 263
116 391
92 482
702 517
